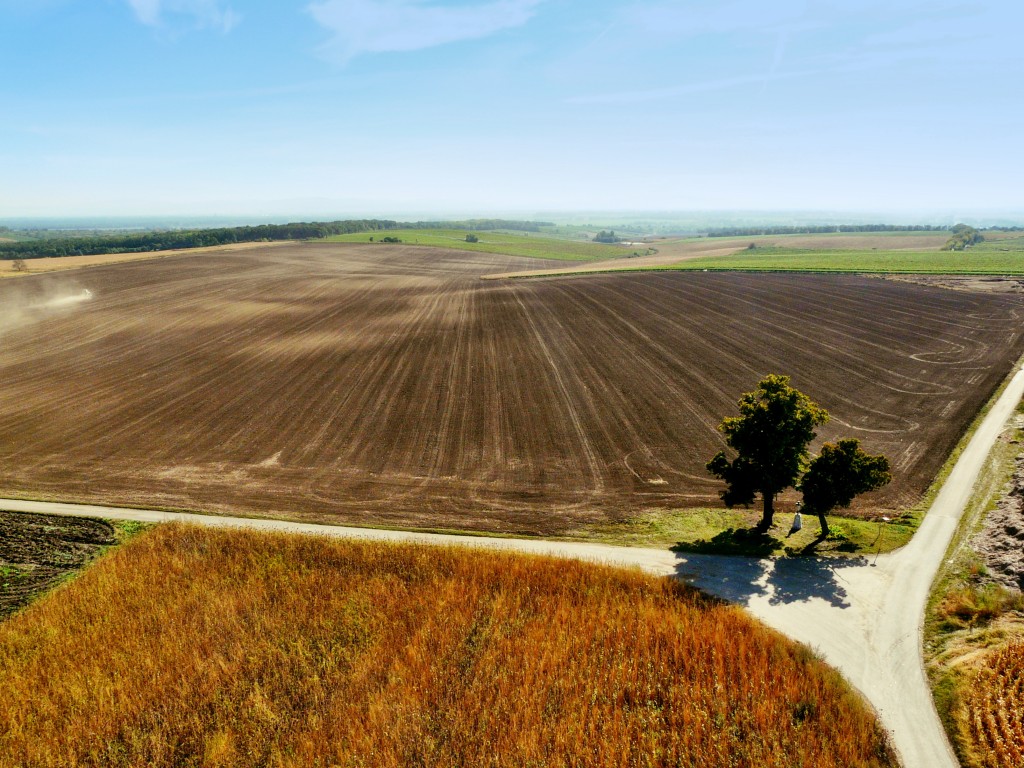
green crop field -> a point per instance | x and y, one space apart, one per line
894 237
1001 243
871 252
510 244
1001 257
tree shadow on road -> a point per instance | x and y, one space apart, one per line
736 579
798 579
782 579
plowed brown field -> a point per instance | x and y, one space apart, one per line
389 384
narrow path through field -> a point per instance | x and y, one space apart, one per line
864 615
664 256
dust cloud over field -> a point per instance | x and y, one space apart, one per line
29 301
391 385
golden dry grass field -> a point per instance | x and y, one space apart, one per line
196 647
991 715
390 385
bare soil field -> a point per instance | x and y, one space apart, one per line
392 386
979 283
37 551
65 263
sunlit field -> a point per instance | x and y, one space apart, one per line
991 721
508 243
194 647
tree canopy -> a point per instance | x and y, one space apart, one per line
770 436
963 237
839 473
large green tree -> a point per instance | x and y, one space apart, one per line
841 472
770 437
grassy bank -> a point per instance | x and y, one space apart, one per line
730 532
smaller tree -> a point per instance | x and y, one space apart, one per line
962 237
770 436
471 238
841 472
19 265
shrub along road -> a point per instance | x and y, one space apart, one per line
863 615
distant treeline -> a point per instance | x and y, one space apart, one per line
200 238
833 228
821 230
484 224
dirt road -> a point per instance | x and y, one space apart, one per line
666 255
864 615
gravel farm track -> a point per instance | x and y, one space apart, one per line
380 384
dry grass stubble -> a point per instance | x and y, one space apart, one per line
215 648
992 718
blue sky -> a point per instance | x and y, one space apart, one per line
345 107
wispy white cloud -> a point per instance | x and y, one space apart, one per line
675 20
659 94
212 14
148 11
816 40
914 21
382 26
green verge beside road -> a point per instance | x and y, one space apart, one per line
731 532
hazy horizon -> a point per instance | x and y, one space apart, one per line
681 221
338 108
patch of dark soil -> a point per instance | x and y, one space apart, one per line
37 551
1001 543
975 283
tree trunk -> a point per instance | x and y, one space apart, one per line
824 526
768 515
